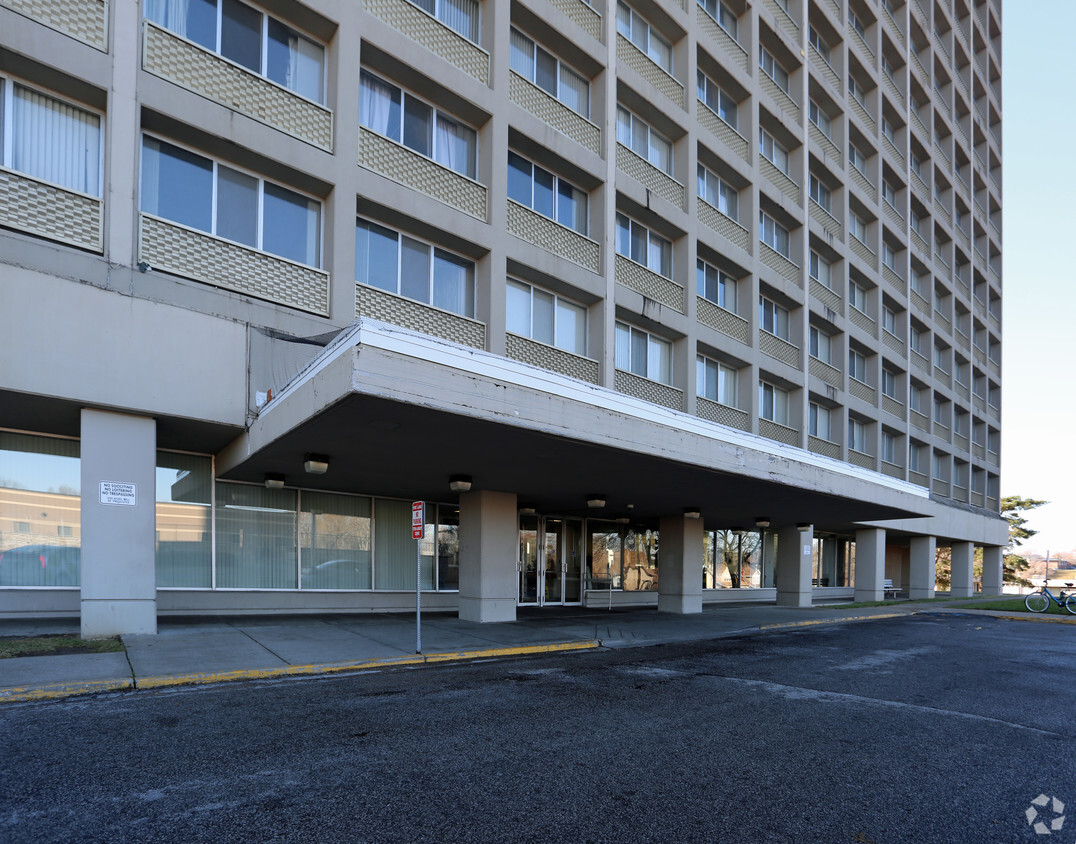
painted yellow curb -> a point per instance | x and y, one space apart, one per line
1046 619
336 667
816 621
58 690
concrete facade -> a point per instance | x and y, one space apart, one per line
768 288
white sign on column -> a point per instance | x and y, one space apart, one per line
116 492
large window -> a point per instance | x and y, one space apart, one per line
546 317
636 241
815 39
715 285
715 381
818 423
773 68
774 234
49 139
720 12
857 365
184 495
248 37
857 159
773 318
549 195
820 344
773 150
889 382
890 445
406 119
460 16
642 353
820 269
820 193
40 510
715 98
719 193
773 403
549 73
737 559
857 227
412 268
857 436
196 191
639 32
819 118
857 296
642 139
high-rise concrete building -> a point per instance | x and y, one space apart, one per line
649 301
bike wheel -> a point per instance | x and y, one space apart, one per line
1070 604
1037 602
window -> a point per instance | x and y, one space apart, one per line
199 192
643 354
917 397
820 344
721 13
857 436
773 69
857 23
916 222
717 100
48 139
773 403
889 448
915 339
889 256
857 91
857 159
889 383
960 423
815 39
818 421
404 118
820 269
549 195
857 366
857 226
961 372
887 66
773 234
549 73
775 151
409 267
719 193
773 318
819 118
916 163
636 241
857 296
546 317
889 192
915 457
940 358
820 193
646 142
938 465
635 28
715 381
888 129
941 407
889 320
258 42
716 286
458 15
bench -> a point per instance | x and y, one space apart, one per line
889 589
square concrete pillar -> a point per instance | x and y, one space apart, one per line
961 574
993 572
119 524
922 566
870 564
794 567
489 545
680 561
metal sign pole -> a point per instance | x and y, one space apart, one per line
418 530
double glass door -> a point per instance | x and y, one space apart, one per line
550 560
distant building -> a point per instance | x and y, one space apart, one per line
652 303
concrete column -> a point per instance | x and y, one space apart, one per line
870 564
680 562
794 567
119 522
922 568
489 545
993 574
963 556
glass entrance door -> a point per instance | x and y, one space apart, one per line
550 554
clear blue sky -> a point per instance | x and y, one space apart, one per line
1038 457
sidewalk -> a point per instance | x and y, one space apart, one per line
210 650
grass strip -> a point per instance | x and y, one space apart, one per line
13 646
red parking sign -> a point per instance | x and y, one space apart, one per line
418 523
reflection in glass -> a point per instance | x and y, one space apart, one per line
334 532
184 539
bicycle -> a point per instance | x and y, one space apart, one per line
1039 601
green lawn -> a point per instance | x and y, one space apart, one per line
13 646
1017 605
895 602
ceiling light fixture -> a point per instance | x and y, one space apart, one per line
316 464
595 500
460 483
274 481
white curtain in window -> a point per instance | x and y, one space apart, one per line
454 145
376 106
171 14
521 54
574 91
256 542
394 549
461 16
56 142
304 67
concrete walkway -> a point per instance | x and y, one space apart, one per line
201 650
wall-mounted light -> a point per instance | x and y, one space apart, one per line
595 500
315 464
460 483
274 481
692 513
623 520
526 510
803 527
762 521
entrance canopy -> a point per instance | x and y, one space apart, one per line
398 413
